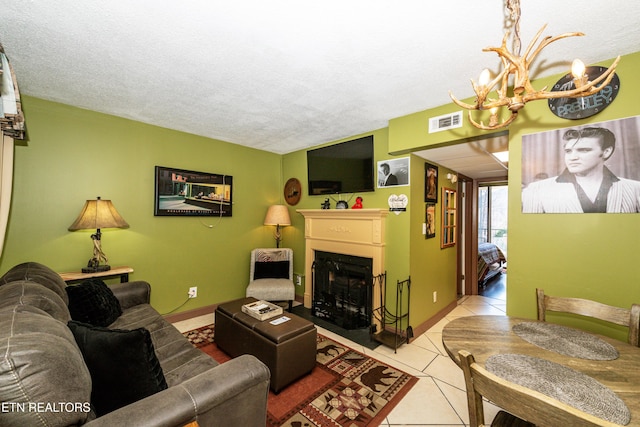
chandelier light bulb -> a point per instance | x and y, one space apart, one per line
485 77
493 120
577 68
579 77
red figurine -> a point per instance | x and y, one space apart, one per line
358 203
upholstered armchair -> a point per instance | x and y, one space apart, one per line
271 275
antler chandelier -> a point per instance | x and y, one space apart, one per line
513 64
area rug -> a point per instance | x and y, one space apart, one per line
346 388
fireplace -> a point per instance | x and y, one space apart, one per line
352 234
342 288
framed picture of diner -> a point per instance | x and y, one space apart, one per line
180 192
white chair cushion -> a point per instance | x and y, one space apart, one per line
272 289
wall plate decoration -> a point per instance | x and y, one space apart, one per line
397 203
586 106
292 191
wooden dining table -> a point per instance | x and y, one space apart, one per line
485 336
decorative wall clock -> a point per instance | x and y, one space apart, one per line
585 106
292 191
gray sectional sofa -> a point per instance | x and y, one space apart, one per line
47 379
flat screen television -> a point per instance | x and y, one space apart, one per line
347 167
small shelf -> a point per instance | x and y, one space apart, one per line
78 276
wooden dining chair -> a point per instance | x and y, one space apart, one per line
518 403
584 307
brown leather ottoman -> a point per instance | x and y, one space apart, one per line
288 349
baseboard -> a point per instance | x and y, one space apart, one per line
189 314
429 323
196 312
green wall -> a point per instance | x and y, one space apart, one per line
432 269
407 252
397 226
587 255
72 155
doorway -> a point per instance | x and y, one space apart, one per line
475 161
493 201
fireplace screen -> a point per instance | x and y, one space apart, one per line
342 289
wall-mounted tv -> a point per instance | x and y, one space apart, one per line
347 167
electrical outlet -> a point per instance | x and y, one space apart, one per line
435 296
298 278
193 292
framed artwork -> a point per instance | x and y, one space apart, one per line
593 168
393 172
430 220
430 183
180 192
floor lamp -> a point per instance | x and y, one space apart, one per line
277 215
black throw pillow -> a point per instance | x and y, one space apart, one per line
271 270
93 302
123 365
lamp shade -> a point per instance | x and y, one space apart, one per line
98 214
277 215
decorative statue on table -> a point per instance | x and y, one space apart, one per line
358 203
326 204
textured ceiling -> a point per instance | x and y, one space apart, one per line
283 75
473 159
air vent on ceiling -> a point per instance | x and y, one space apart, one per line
447 121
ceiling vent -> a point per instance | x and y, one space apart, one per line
447 121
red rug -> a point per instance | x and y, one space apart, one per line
346 388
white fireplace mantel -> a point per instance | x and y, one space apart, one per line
358 232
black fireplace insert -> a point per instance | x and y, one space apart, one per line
342 289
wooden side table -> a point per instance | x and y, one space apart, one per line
78 276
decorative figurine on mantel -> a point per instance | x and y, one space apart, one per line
326 204
358 203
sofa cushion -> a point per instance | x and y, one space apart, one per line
38 273
35 295
40 364
271 270
123 365
179 359
93 302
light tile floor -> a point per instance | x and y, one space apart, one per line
438 398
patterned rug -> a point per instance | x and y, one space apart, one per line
346 388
